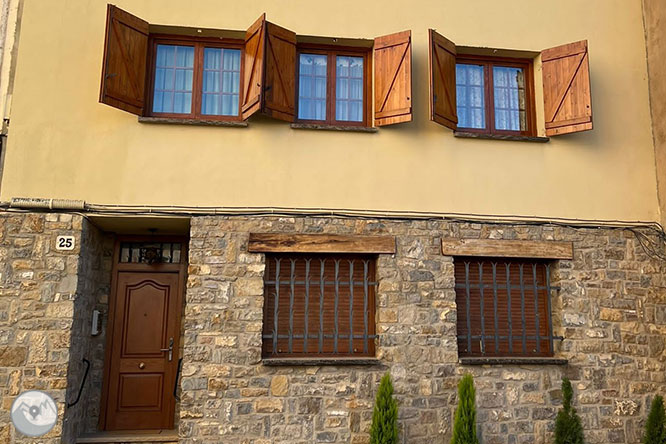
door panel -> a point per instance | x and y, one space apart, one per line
142 371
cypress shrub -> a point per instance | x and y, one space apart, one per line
384 428
464 425
654 427
568 429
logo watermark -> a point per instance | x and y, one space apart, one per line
34 413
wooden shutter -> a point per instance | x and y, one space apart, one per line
566 89
393 78
124 65
255 46
280 76
442 64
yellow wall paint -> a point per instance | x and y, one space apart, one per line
64 144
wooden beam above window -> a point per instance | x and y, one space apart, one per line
507 248
319 243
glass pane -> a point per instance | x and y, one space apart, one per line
509 92
221 82
312 87
174 68
469 96
349 89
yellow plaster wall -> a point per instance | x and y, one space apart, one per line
64 144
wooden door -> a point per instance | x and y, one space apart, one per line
143 358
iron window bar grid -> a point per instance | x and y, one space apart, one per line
534 288
321 283
150 252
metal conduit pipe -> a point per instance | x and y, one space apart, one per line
30 203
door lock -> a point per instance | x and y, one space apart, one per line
170 349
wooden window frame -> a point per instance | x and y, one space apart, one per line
332 51
530 109
199 43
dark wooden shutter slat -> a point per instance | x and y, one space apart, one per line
442 67
280 76
393 78
255 46
124 65
566 89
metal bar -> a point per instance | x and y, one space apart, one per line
549 315
291 304
346 283
351 306
483 320
342 336
277 302
335 307
536 306
505 337
321 304
522 306
508 297
469 321
495 315
365 306
307 303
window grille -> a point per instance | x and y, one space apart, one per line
504 307
150 252
319 305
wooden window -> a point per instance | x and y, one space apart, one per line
503 307
319 305
495 95
333 85
194 78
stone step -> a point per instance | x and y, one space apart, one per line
130 437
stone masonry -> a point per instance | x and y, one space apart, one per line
46 298
611 309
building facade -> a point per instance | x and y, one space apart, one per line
226 222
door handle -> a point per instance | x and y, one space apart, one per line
170 349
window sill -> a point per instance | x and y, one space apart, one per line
319 361
315 126
176 121
513 361
471 135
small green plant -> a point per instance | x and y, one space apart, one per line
464 425
384 428
568 429
655 432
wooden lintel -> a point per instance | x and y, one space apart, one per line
319 243
507 248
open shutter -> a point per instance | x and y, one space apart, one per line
442 64
255 45
566 89
393 78
124 65
280 75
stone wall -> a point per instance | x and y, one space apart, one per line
611 309
46 301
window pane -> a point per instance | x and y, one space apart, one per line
509 92
174 68
349 89
312 87
221 82
470 96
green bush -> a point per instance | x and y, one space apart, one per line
655 433
384 428
464 425
568 429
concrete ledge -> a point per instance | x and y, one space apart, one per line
471 135
314 126
513 361
196 122
135 437
320 361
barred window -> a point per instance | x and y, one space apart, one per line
503 307
319 305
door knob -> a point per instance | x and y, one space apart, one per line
142 365
170 349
